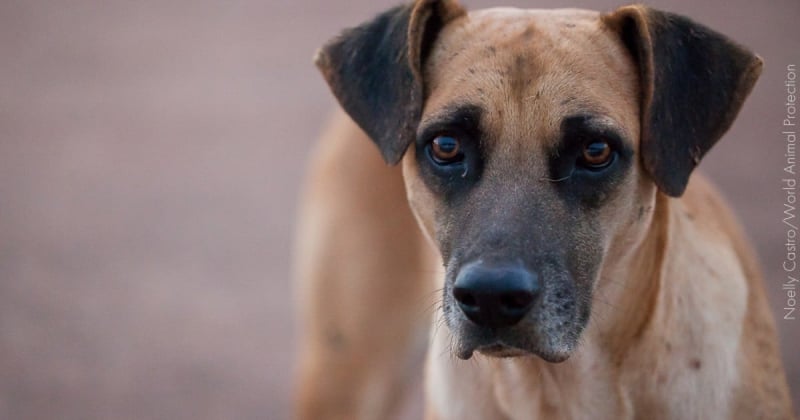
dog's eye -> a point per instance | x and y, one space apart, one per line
596 154
446 149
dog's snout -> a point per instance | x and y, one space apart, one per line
495 296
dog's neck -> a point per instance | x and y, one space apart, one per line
627 293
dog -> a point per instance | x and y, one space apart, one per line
538 186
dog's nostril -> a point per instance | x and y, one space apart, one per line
517 300
464 297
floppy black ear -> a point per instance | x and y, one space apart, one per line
694 81
375 71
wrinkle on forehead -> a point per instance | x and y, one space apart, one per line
529 69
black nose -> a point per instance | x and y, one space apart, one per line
495 296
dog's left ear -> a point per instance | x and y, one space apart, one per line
694 81
375 70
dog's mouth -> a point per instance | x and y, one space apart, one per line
499 345
500 350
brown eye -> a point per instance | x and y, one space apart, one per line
596 154
446 149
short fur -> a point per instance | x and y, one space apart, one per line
651 304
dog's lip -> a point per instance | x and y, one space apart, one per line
501 350
495 349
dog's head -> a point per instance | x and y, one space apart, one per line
534 144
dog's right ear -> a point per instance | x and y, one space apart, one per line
375 70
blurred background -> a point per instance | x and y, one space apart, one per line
150 158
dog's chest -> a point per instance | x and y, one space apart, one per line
577 389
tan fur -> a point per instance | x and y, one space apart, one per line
351 263
679 308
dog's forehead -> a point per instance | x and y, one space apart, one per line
531 68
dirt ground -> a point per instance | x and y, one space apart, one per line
150 157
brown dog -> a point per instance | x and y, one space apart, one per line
546 156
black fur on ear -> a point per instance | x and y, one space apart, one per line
375 71
694 81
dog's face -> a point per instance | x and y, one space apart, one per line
523 170
535 143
